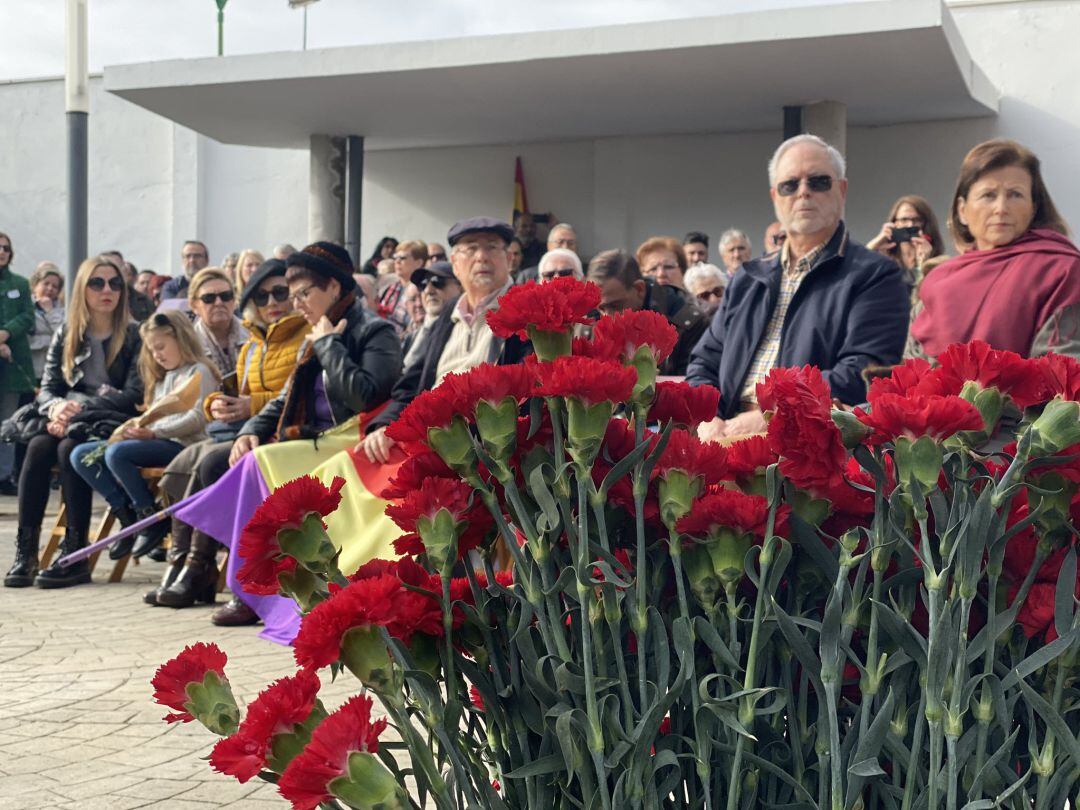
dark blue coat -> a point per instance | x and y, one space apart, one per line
851 311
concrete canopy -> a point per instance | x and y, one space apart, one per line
889 61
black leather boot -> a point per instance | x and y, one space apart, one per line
150 537
61 576
121 548
196 583
176 565
25 567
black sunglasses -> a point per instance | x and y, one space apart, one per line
209 298
437 257
815 182
438 282
97 283
280 294
561 273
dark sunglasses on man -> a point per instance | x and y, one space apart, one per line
209 298
279 293
715 294
564 272
436 282
97 283
817 183
437 257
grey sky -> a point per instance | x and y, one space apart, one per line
146 30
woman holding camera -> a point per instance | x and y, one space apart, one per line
910 237
92 367
1016 283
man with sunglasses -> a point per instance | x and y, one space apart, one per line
435 253
822 300
193 257
437 286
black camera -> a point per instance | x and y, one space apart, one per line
903 234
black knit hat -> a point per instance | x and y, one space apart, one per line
327 260
268 269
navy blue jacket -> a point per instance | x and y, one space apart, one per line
851 311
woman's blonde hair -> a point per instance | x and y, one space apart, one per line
78 317
204 276
244 256
175 323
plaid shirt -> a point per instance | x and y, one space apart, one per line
768 349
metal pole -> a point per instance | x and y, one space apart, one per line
221 26
354 180
305 28
77 105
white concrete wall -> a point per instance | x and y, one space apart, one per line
154 184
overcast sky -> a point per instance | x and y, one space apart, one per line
145 30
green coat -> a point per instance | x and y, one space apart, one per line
17 318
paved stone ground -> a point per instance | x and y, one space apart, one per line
78 728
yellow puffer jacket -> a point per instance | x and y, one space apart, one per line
272 359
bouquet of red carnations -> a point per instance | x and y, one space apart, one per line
594 609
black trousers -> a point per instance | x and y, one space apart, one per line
42 454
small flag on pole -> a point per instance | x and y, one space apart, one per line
521 199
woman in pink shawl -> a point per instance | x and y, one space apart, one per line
1016 282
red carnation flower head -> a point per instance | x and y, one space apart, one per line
1021 380
194 686
747 460
279 709
643 339
801 429
686 405
287 509
444 514
1036 614
1061 376
545 313
722 526
433 421
339 757
413 472
915 375
596 349
913 416
685 467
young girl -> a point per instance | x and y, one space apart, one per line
171 354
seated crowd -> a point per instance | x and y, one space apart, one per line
258 363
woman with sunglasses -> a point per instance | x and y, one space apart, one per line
262 369
92 366
213 301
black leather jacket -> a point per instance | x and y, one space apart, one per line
358 369
123 376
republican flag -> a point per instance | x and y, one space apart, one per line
521 199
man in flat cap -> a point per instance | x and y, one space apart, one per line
460 339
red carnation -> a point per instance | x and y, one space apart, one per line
729 508
477 699
696 458
1022 380
306 782
748 458
1061 376
629 330
278 709
555 306
588 380
171 680
490 383
914 375
285 508
597 350
413 472
685 404
1036 615
912 416
453 495
801 430
430 409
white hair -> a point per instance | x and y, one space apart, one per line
835 158
562 226
731 234
561 253
701 273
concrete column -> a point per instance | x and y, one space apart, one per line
354 176
326 189
827 120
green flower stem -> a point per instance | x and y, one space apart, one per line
586 593
419 751
701 741
750 677
732 604
795 723
639 621
954 719
934 707
1046 755
878 562
914 767
614 622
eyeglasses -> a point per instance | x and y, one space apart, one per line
400 257
435 282
778 239
716 293
547 275
5 248
817 183
280 293
302 295
187 256
224 296
474 248
97 283
437 257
